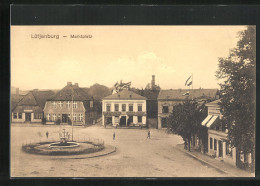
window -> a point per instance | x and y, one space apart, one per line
131 107
54 117
210 143
91 104
74 117
48 117
20 115
80 117
69 116
54 104
37 116
15 116
116 107
123 107
108 108
60 104
140 119
58 116
215 144
139 107
130 119
68 104
74 104
165 109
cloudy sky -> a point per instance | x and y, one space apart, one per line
114 53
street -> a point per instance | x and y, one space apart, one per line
136 155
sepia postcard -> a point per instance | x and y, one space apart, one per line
132 101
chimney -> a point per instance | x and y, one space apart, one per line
69 83
153 82
17 91
76 84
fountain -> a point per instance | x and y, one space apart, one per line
64 142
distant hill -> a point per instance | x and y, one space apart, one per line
98 91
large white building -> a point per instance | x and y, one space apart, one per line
125 108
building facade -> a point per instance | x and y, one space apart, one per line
30 107
218 144
125 108
167 99
70 104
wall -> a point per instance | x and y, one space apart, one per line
123 113
170 104
18 120
48 109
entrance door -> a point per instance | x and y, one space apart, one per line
123 120
27 116
64 118
220 144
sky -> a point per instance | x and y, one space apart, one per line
114 53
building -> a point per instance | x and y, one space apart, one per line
125 108
167 99
30 107
71 102
218 143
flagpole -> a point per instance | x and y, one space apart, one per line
72 112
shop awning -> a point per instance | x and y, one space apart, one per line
211 121
206 120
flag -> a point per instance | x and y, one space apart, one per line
190 83
187 81
186 94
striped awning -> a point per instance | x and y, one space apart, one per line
206 120
211 121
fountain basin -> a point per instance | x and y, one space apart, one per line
64 145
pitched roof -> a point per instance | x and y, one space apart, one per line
125 95
35 98
15 100
177 94
65 94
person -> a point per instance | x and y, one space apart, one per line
148 135
114 136
185 144
47 134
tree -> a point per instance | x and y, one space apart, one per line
238 71
185 120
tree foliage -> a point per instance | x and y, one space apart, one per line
238 71
186 118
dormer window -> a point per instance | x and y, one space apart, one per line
91 104
54 105
68 104
74 104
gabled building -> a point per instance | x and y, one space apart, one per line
70 103
125 108
167 99
30 107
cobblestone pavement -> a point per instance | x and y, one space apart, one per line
136 155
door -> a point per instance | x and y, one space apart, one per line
64 118
220 148
123 120
27 116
